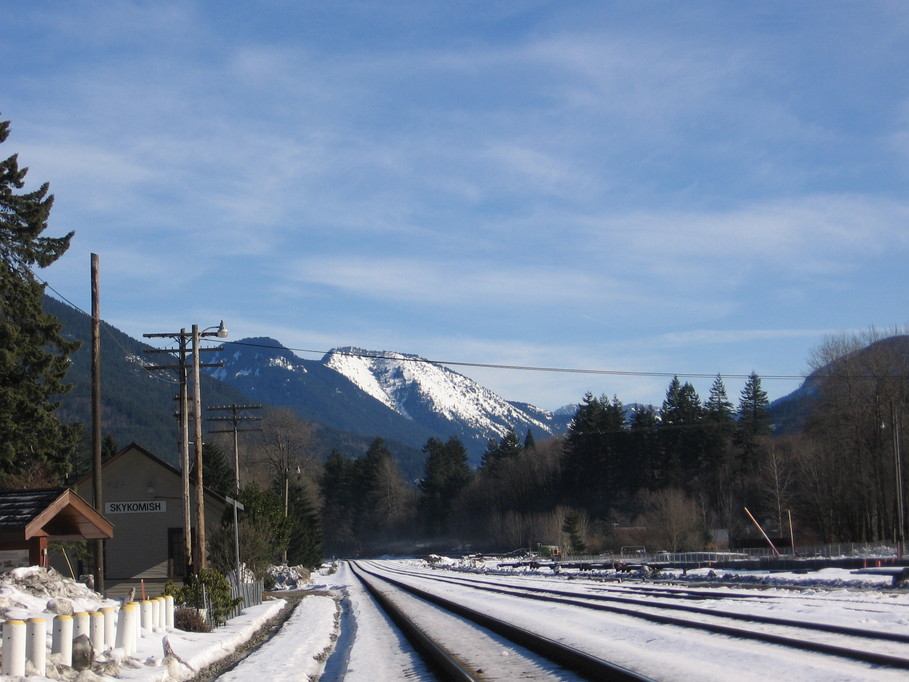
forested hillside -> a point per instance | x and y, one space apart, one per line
676 477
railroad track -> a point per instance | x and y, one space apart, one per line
489 649
868 646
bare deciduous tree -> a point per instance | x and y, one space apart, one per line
673 521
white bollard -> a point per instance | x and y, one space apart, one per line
63 638
82 625
137 625
147 614
96 631
110 626
13 659
160 621
169 611
36 644
127 627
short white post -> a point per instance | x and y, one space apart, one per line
169 611
126 628
82 625
13 659
110 626
137 625
148 614
63 638
36 644
96 631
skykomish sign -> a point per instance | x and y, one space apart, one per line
143 507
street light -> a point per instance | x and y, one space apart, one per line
181 338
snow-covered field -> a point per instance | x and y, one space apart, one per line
368 648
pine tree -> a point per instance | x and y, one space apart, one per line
753 422
645 442
447 472
715 466
305 543
34 355
682 433
718 409
499 451
593 468
529 441
338 511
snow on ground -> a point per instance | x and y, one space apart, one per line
827 577
35 592
300 648
368 649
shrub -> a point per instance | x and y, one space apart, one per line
208 590
190 620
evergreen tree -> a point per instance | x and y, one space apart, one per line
594 452
379 489
529 441
572 527
715 466
447 472
753 422
498 451
338 510
217 474
645 442
34 356
718 409
264 530
304 547
682 434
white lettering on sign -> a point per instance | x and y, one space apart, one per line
148 506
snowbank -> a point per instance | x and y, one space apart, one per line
163 656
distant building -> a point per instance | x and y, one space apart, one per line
143 498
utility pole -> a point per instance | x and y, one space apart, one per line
96 416
182 338
898 475
197 442
235 420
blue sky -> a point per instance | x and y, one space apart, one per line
698 187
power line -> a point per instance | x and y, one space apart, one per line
379 355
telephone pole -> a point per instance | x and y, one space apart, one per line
235 419
182 339
96 415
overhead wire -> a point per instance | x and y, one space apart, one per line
381 355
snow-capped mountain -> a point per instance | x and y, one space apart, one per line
435 396
392 395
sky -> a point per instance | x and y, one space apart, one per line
634 187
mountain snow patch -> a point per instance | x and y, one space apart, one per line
406 383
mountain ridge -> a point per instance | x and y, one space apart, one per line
414 398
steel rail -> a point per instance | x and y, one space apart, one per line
580 662
731 615
434 654
590 602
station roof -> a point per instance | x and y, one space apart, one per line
57 514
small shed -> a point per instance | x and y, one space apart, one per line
29 519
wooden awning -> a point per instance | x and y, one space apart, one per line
58 515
